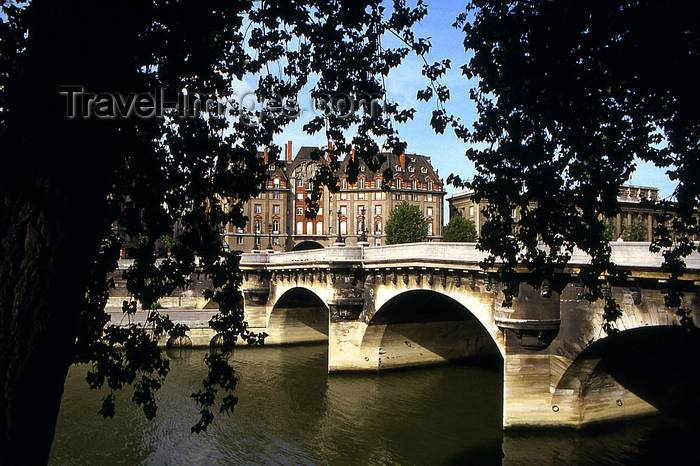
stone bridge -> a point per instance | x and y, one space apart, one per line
407 305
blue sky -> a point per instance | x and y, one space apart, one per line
447 151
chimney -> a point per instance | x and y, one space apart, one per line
353 155
403 160
266 162
289 151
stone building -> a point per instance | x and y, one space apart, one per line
277 215
629 197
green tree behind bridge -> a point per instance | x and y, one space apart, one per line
459 229
406 224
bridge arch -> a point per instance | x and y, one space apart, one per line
622 374
417 327
299 315
475 303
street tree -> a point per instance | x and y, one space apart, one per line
637 231
86 144
569 94
406 224
459 229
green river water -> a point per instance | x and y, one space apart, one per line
291 411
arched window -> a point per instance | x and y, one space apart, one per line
309 228
378 226
300 228
343 227
361 183
430 228
319 228
343 184
276 182
275 226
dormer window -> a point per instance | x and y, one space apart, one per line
362 168
344 184
397 168
411 169
361 183
423 170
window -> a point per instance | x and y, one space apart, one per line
300 211
343 196
359 226
257 225
259 196
300 183
239 240
275 195
398 184
361 183
276 182
397 168
423 170
429 197
414 197
361 196
397 196
413 184
309 228
343 184
377 210
275 226
471 211
319 228
344 227
300 196
300 228
359 209
430 229
377 241
320 212
309 184
377 226
276 209
276 241
343 210
429 212
430 185
258 208
239 230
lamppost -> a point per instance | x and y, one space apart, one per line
269 237
339 239
363 236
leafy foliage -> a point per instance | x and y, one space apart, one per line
459 229
637 231
569 95
406 224
65 182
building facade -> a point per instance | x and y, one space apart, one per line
277 217
629 197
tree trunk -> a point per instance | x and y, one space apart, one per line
43 275
55 176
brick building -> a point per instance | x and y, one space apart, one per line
277 216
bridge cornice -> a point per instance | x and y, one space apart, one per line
465 257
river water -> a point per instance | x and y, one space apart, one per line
291 411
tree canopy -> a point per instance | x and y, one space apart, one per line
406 224
459 229
569 95
86 146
